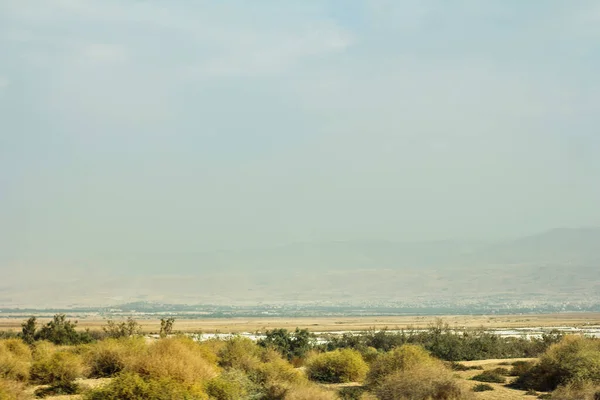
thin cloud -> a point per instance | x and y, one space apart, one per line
268 54
105 53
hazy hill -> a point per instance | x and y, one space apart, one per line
557 247
562 264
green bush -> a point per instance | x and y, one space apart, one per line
482 387
130 386
489 377
28 329
351 392
501 371
338 366
62 331
445 343
454 366
291 345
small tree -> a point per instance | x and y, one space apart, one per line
166 326
28 329
290 345
124 329
62 331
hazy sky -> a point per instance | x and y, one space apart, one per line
177 126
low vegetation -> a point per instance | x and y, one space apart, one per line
131 386
285 365
448 344
15 360
482 387
489 377
338 366
11 390
573 362
421 382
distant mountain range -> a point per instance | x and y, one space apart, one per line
559 265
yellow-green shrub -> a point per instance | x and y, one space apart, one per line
337 367
231 385
43 349
131 386
421 382
399 359
15 359
58 368
178 358
574 359
240 353
10 390
211 349
108 357
577 391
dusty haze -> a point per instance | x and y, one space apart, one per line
234 147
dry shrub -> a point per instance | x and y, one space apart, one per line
577 391
575 359
369 354
131 386
231 385
502 371
240 353
489 377
178 358
309 392
111 356
59 368
275 376
482 387
274 368
421 382
11 390
44 349
521 368
400 359
15 359
211 349
272 377
337 366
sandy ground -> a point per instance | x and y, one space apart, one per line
321 324
500 392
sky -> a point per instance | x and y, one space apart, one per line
131 126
